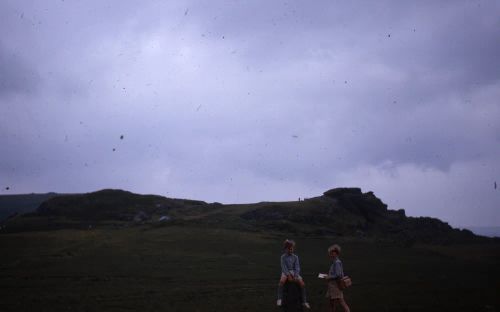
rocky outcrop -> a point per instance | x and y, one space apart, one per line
349 211
338 192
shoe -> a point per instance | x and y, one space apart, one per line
278 303
305 304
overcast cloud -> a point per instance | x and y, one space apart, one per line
244 101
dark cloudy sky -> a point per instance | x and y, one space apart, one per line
243 101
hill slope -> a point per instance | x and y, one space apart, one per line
339 212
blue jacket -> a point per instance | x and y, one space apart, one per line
290 263
336 270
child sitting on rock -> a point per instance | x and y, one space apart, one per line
290 271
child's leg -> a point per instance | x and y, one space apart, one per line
280 286
332 305
303 288
344 305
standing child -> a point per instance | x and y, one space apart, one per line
336 273
290 271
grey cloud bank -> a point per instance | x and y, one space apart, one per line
240 102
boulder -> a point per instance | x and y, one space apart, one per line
292 297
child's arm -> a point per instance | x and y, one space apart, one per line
297 267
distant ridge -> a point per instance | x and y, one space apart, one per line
339 212
21 203
489 231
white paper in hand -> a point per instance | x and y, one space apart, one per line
321 275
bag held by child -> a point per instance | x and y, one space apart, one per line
345 282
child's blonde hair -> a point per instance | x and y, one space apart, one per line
335 248
288 243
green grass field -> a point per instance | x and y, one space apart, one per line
174 268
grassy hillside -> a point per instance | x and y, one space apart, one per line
340 212
185 268
111 205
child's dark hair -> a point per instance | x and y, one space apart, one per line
288 243
334 248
